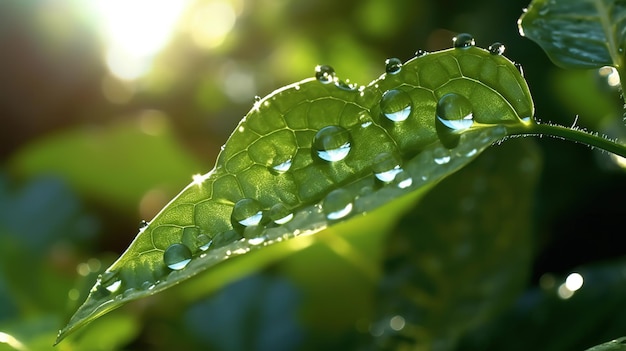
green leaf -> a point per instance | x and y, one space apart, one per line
303 160
613 345
577 33
462 255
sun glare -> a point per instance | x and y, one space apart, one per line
135 31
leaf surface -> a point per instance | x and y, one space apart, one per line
320 157
577 33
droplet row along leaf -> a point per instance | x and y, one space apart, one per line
301 161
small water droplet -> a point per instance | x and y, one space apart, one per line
147 285
403 180
177 256
441 156
143 224
463 40
257 99
386 166
337 204
204 242
280 213
332 143
256 241
519 67
247 212
454 115
347 86
496 48
324 74
113 286
420 53
393 65
396 105
281 167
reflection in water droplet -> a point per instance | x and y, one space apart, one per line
441 156
519 68
393 65
403 180
256 241
324 74
332 143
177 256
114 286
247 212
396 105
496 48
337 204
386 166
420 53
204 242
463 40
282 167
454 115
280 214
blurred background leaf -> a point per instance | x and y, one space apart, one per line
72 88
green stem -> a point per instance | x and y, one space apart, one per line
573 134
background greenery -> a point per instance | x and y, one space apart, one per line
86 156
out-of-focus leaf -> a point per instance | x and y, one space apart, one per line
319 154
613 345
116 164
577 33
462 255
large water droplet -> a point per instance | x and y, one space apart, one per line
496 48
396 105
247 212
281 167
403 180
463 40
177 256
393 65
324 74
332 143
454 115
386 166
280 213
337 204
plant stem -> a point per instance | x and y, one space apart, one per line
572 134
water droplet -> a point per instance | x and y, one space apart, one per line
346 85
519 67
190 237
177 256
441 156
113 286
324 74
420 53
403 180
337 204
454 115
147 285
253 231
110 281
393 65
256 241
257 99
143 224
496 48
332 143
463 40
280 213
225 238
281 167
204 242
396 105
386 166
247 212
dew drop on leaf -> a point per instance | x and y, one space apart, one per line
281 167
403 180
332 143
142 224
519 68
393 65
420 53
496 48
347 86
177 256
113 286
247 212
337 204
204 242
386 166
454 115
463 40
280 213
324 74
441 156
396 105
